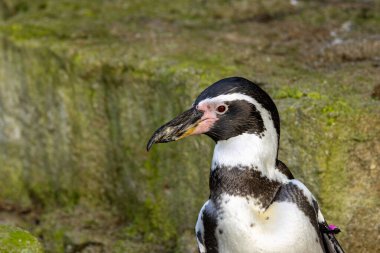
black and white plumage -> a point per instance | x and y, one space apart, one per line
255 204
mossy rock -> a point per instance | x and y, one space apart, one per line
16 240
84 83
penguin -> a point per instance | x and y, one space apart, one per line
255 203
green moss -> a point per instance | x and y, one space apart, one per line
334 109
333 177
314 95
23 32
288 92
15 240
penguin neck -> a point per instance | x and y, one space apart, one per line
245 167
249 151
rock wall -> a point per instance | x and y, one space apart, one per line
84 84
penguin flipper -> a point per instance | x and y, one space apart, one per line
199 231
330 243
284 169
296 192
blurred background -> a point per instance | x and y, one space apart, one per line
83 85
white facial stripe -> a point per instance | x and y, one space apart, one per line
229 97
268 123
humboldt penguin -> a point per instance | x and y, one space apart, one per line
255 204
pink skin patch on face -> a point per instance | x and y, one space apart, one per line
208 119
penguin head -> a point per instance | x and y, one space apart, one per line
228 108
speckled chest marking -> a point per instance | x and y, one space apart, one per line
249 212
241 228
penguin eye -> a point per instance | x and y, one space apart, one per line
221 109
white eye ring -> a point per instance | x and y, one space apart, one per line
221 109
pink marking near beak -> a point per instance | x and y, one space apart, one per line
207 121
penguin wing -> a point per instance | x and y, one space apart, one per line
200 230
296 192
330 243
284 169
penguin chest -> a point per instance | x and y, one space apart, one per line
243 228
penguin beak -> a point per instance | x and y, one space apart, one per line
181 126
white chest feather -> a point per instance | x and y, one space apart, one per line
251 151
283 227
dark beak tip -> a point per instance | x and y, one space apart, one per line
150 144
174 129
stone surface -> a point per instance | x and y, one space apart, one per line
83 84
